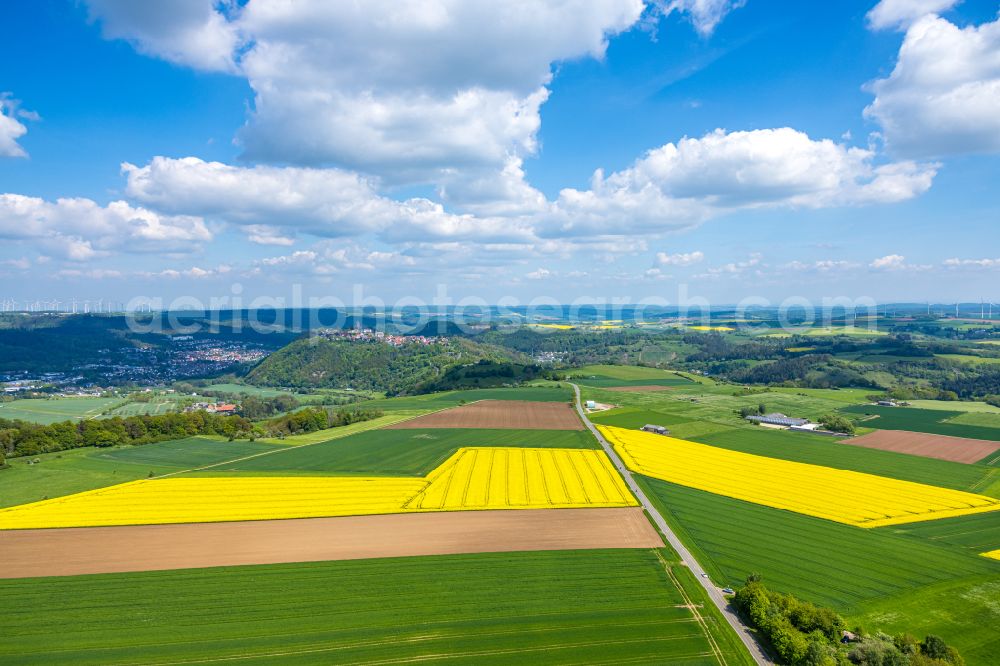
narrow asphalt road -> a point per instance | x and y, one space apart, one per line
687 558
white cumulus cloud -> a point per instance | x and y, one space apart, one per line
80 229
896 262
681 184
902 13
11 128
264 234
195 33
821 266
272 203
539 274
955 262
943 96
735 269
669 188
705 15
680 259
411 91
889 262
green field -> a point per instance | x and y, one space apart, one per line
246 389
955 406
53 410
981 419
76 470
934 421
979 533
859 331
398 452
626 372
153 408
612 606
232 391
848 395
969 358
547 393
624 375
632 417
657 356
608 382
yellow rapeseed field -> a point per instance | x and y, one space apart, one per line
473 478
993 554
514 478
855 498
199 499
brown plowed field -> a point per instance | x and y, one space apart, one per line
630 389
88 550
943 447
506 414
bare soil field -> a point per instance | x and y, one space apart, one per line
943 447
638 389
90 550
504 414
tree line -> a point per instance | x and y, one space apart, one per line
22 438
803 634
312 419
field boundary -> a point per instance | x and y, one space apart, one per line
89 550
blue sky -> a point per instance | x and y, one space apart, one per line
747 149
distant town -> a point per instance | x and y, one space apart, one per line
370 335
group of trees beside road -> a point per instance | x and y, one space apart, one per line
802 634
837 423
312 419
255 408
753 410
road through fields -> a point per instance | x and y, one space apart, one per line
727 610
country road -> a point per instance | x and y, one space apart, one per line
687 558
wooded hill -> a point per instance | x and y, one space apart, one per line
371 365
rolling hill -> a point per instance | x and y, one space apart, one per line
372 365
